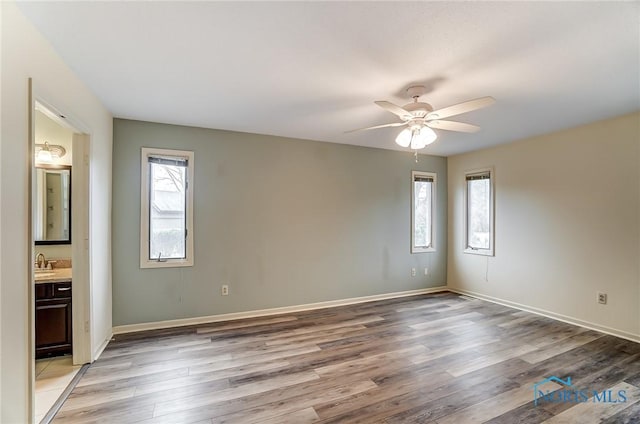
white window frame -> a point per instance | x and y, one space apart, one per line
472 250
145 262
432 245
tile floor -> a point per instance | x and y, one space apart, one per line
53 375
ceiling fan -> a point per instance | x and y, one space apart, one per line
420 118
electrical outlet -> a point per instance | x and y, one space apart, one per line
426 271
413 272
225 290
602 298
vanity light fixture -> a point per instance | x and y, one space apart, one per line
47 153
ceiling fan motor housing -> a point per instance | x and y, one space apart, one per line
418 109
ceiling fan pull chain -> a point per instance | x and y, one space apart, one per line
416 153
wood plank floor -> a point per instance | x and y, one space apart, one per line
439 358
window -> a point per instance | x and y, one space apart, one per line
166 221
479 212
422 211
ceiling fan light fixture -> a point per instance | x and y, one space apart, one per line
420 118
416 138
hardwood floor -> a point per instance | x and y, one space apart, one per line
439 358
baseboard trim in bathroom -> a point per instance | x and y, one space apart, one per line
64 395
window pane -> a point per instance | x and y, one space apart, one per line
422 213
167 211
478 210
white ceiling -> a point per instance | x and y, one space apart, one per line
312 70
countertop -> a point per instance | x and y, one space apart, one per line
53 275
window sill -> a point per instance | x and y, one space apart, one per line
423 249
175 263
481 252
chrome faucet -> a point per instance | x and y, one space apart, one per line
41 263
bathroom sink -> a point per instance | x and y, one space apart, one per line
44 272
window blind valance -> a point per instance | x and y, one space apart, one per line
483 176
174 161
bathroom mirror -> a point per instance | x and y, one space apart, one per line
52 212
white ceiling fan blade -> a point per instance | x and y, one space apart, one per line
461 108
453 126
396 110
395 124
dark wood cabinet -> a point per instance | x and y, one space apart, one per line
53 319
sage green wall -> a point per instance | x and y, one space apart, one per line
283 222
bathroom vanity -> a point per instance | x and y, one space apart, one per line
53 320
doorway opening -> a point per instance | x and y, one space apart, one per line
59 251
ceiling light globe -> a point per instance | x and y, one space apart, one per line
404 138
422 138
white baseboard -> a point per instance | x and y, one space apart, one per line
130 328
559 317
